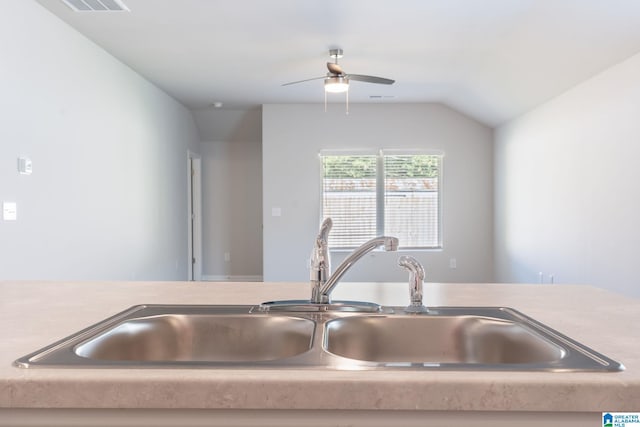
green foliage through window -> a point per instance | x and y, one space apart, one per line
418 166
336 167
405 166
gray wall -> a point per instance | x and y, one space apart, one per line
107 198
231 193
293 135
567 186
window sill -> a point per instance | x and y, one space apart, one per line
403 250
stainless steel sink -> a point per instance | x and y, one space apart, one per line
199 336
438 339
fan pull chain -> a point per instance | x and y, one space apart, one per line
347 105
325 101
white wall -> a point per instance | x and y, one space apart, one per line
293 135
107 197
567 186
231 193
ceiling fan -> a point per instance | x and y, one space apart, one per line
337 81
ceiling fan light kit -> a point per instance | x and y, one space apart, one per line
337 81
336 84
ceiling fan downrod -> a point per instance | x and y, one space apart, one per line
335 54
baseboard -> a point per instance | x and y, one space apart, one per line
221 278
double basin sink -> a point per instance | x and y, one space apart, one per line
239 336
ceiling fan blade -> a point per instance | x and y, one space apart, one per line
370 79
305 80
334 68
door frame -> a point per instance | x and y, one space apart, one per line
194 216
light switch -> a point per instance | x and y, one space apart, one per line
24 166
276 212
9 211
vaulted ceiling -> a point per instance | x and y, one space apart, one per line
490 59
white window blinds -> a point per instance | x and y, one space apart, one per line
349 198
411 199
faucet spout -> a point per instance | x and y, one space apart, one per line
323 296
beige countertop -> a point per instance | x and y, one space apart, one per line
35 314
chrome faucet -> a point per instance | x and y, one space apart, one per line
322 282
416 278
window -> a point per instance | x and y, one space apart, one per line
394 194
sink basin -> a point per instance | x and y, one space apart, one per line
200 337
181 336
224 336
438 339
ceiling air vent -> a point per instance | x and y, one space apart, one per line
96 5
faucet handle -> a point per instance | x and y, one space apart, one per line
416 278
320 262
325 227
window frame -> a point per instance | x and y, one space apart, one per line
381 209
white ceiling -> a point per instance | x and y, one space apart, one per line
490 59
